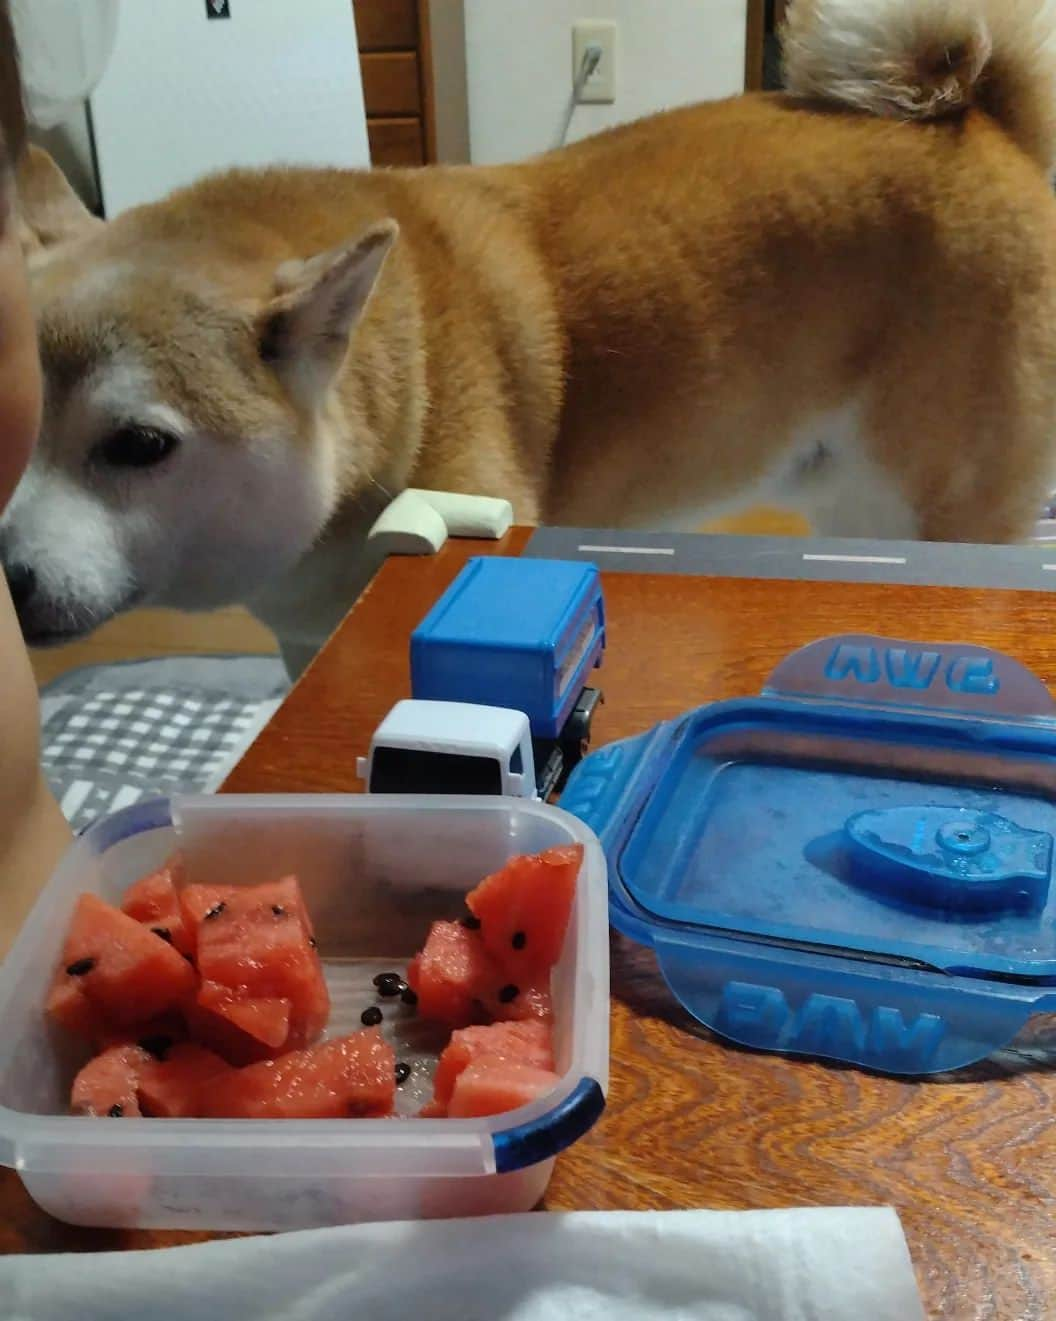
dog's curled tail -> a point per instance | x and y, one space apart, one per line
925 59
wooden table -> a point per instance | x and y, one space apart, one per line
969 1162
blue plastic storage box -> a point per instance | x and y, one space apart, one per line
855 865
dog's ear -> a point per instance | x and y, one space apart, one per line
49 211
303 332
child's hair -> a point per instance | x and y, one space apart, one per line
12 107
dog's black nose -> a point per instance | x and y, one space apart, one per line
21 583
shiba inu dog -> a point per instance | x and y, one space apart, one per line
843 296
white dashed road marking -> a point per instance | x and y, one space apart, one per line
857 559
627 550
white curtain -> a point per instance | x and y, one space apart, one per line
65 46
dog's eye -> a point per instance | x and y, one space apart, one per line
136 447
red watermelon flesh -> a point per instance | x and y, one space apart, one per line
68 1005
492 1085
197 900
126 972
224 1038
524 909
106 1086
527 1043
284 894
451 974
520 1001
353 1076
163 1031
265 1018
154 901
259 947
171 1087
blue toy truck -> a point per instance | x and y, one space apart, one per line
522 634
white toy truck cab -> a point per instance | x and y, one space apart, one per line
451 748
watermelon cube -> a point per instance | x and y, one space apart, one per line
265 1018
196 901
526 1042
154 901
127 974
452 974
258 962
68 1006
171 1087
524 910
224 1038
154 1034
520 1001
107 1085
353 1076
492 1085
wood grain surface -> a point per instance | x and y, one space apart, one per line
390 83
968 1160
396 141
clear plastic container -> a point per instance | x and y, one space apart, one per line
375 871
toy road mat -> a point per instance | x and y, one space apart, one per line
1030 567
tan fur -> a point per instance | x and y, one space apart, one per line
646 318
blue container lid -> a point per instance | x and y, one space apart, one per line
857 864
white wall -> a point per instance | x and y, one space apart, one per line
278 82
519 65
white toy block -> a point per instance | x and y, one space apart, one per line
471 515
419 522
409 526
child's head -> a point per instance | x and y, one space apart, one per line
20 395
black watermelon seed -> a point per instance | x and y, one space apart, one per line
116 1110
313 942
80 967
470 922
519 939
389 984
216 910
378 978
508 993
278 910
159 1046
403 1072
371 1016
164 933
408 996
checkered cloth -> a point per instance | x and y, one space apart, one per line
112 735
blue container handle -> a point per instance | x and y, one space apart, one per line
955 678
892 1019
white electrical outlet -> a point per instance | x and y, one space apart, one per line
601 85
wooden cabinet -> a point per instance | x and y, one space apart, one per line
396 62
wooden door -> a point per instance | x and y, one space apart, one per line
396 60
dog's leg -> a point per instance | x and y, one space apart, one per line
972 442
296 656
852 496
832 479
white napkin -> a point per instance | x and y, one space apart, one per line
804 1265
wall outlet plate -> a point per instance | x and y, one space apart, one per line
600 87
